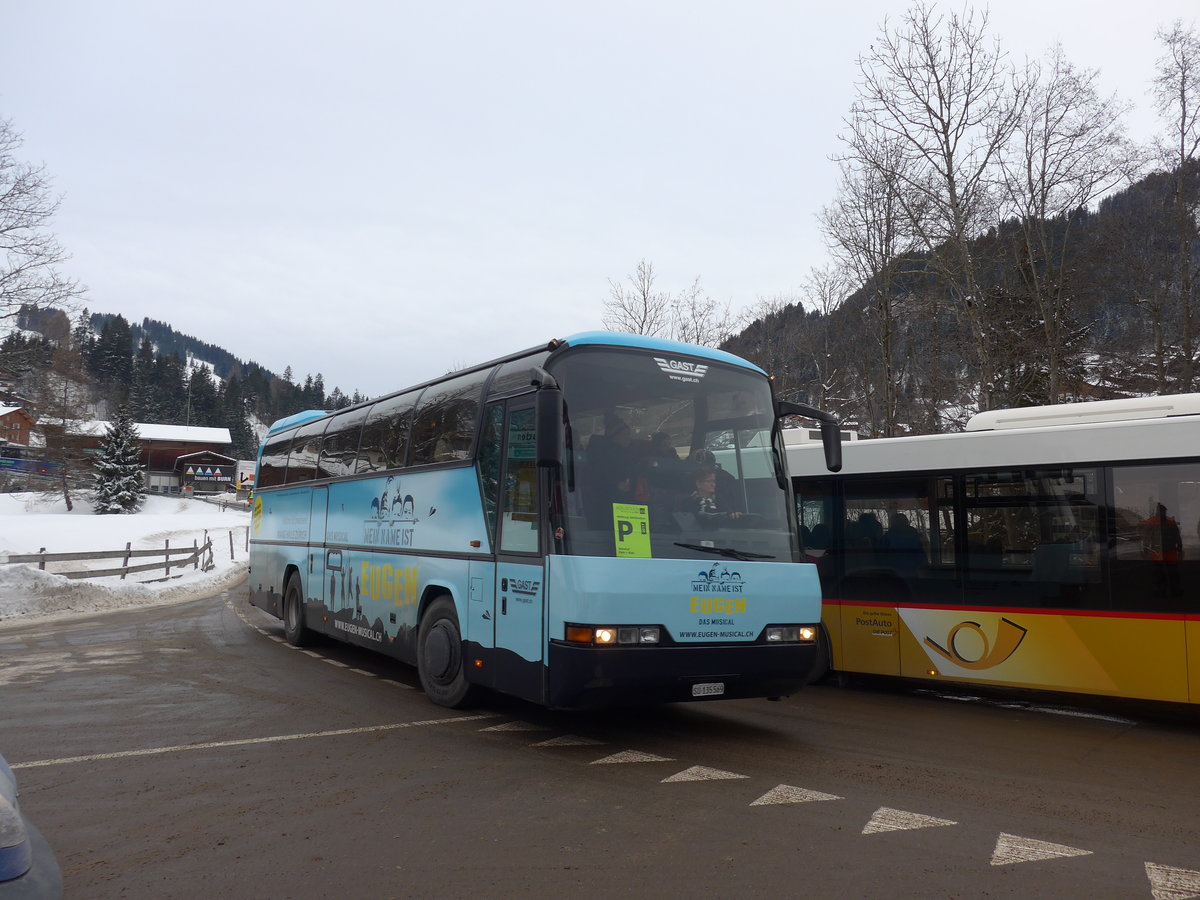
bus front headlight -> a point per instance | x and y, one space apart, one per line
791 634
611 635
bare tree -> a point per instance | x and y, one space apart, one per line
29 253
824 294
872 232
1176 91
62 399
1068 149
942 91
689 315
638 308
697 318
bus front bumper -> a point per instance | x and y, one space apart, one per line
586 676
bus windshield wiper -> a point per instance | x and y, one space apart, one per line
744 555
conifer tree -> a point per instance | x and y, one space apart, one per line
119 481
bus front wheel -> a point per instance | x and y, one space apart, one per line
294 629
440 656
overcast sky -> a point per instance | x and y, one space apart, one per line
381 191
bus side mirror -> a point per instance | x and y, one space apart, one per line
831 433
549 412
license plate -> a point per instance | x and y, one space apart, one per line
708 689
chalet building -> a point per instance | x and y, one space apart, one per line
15 425
178 458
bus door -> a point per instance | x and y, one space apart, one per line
318 513
519 602
870 588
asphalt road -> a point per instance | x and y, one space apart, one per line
187 752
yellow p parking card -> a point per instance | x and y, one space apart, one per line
631 528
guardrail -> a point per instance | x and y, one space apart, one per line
199 555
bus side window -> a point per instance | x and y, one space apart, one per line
519 500
445 420
384 443
896 541
273 465
490 442
304 452
340 447
1154 537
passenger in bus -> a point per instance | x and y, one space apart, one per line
727 496
703 500
904 544
626 464
866 533
660 446
1162 542
617 470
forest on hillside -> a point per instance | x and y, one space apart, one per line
88 369
905 358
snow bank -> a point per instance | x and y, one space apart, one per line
29 522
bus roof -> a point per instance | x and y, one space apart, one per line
1086 412
297 419
582 339
643 342
1077 443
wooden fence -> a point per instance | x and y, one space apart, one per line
199 555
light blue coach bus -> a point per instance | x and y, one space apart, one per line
536 526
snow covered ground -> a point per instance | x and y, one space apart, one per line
29 522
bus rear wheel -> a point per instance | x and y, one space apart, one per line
294 629
440 656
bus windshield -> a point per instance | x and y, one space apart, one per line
671 457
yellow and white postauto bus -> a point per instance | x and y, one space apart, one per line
1053 548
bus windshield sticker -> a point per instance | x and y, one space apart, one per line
681 370
631 529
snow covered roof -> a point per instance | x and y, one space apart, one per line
5 410
183 433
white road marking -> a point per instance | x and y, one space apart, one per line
886 819
702 773
399 684
630 756
216 745
785 793
334 662
568 740
1169 883
516 726
363 672
313 653
1013 849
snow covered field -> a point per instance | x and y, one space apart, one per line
29 522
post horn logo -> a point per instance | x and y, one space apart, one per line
1008 638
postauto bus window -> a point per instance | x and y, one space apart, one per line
339 450
640 433
384 443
